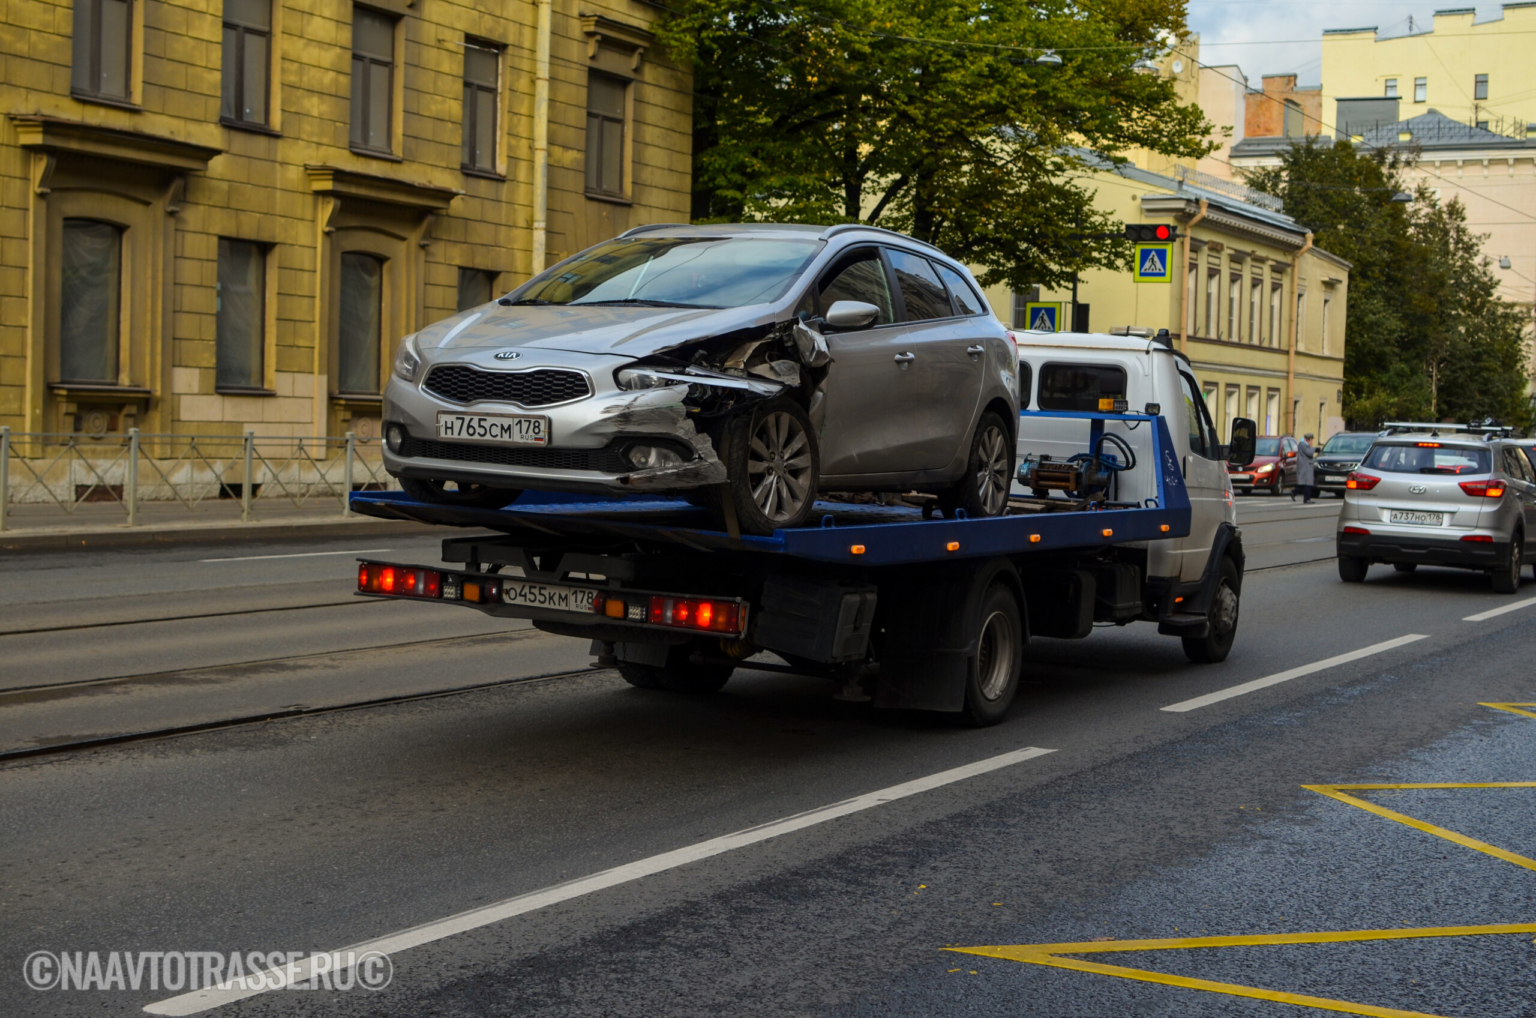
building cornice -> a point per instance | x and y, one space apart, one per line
344 183
57 135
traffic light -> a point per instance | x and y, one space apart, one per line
1151 234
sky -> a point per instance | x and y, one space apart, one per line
1283 36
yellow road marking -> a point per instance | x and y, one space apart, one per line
1050 955
1337 792
1512 708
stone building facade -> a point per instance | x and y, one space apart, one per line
222 216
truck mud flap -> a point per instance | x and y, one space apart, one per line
928 636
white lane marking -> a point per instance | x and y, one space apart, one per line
203 1000
301 554
1490 613
1293 673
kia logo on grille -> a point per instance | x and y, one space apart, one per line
508 355
1418 489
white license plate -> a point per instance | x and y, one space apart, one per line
548 595
1416 518
500 429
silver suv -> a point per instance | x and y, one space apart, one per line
1453 501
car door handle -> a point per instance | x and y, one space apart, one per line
975 351
905 358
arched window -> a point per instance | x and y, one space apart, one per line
362 312
90 301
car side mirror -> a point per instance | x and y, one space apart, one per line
1290 455
1245 439
850 314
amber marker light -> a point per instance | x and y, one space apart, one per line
952 546
1108 532
857 549
1164 528
1034 538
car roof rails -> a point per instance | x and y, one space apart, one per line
833 231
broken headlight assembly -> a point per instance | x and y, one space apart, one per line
653 456
645 378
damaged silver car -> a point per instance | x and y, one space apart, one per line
741 367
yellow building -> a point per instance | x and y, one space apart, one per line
222 217
1476 72
1257 308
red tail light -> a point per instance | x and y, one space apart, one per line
1356 530
373 578
1479 538
688 613
1484 489
1361 482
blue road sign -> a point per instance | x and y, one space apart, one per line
1043 316
1153 263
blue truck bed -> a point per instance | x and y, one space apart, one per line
843 533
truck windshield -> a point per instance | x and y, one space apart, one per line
1428 458
1348 445
710 272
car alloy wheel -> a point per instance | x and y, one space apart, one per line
992 470
780 470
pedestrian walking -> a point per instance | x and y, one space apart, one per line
1306 478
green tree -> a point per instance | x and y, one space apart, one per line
932 117
1427 337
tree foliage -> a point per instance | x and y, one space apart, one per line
1427 337
931 117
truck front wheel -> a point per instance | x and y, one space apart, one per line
1216 644
992 679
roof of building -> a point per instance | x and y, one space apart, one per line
1428 132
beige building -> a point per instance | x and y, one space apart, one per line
221 217
1223 100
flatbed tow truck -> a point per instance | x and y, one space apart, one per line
893 604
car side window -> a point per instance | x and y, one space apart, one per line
1195 419
1290 445
1026 384
860 277
965 297
1530 463
921 291
1515 464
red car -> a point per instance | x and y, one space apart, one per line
1272 470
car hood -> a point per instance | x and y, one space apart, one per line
609 330
1258 461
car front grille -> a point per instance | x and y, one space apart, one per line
604 460
464 383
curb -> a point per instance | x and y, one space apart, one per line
200 533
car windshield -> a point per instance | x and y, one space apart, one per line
1428 458
1348 445
1267 447
710 272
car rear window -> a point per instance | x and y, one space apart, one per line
1079 386
1428 458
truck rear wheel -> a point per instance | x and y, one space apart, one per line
1216 644
679 674
993 677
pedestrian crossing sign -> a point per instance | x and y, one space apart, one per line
1152 263
1043 316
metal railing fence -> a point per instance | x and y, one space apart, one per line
66 471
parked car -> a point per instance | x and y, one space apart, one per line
1342 453
744 367
1273 468
1450 501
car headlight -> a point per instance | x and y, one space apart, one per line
652 457
408 359
642 378
1267 468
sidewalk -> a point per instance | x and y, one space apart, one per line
34 528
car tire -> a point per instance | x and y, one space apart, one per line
992 675
639 676
1506 578
1352 568
1216 644
1405 567
983 489
773 464
471 496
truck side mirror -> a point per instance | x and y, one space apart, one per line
1245 439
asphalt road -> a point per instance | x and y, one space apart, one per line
334 828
